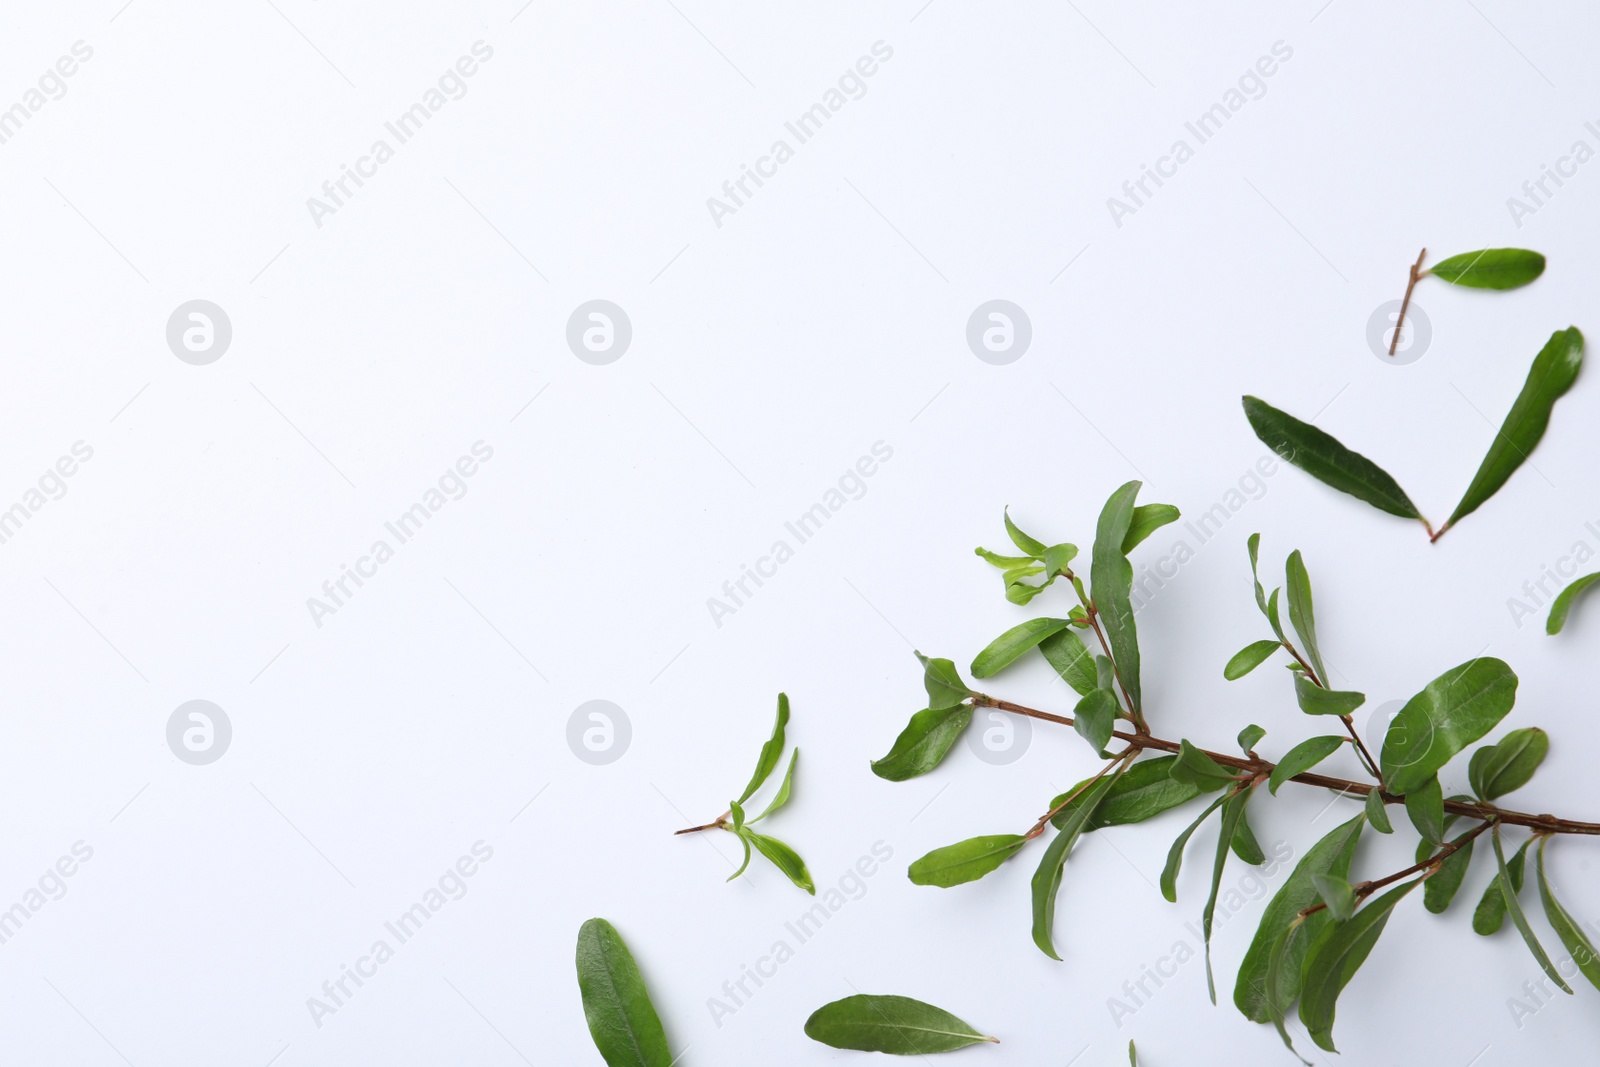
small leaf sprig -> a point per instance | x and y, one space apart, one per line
1487 268
735 821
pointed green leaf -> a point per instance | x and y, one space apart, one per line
784 858
1301 614
1554 370
899 1026
1301 758
1005 649
1005 563
1492 268
1112 576
944 685
1232 812
1031 545
1440 888
1425 806
1328 461
1315 700
1249 736
616 1004
1071 660
1058 557
924 743
1334 958
1047 879
965 861
744 865
1169 873
1147 519
1453 711
781 797
1563 603
1514 909
1336 894
1249 658
1196 768
1095 716
1278 970
1378 812
1491 911
1496 770
1244 843
1576 942
770 752
1143 792
1272 615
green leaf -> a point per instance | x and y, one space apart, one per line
965 861
944 685
1278 972
1145 791
1034 547
1244 843
781 798
744 865
1336 894
1249 736
1071 660
1440 888
924 743
1577 944
1133 1054
1095 717
1301 758
1315 700
1196 768
1514 909
1169 873
1492 268
1425 806
622 1021
1334 958
1554 370
1453 711
784 858
1331 855
1005 563
1378 812
1047 879
1112 576
1328 461
1272 615
899 1026
770 752
1147 519
1496 770
1232 812
1301 615
1020 592
1105 675
1491 910
1563 602
1005 649
1058 557
1248 659
1269 608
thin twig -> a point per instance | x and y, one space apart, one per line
1416 272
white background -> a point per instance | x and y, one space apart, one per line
768 354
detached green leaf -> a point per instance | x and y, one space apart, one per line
1071 660
1196 768
944 685
1031 545
784 858
1563 603
1425 806
1576 942
1440 889
965 861
1334 958
1147 519
770 752
622 1020
1336 894
1554 370
1249 658
1453 711
1514 909
1328 461
1378 812
1232 813
1047 879
1315 700
924 743
1169 873
1095 717
1492 268
1143 792
1491 910
1005 649
1301 758
899 1026
1112 577
1301 614
781 797
1496 770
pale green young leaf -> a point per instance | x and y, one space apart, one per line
1301 758
1454 710
899 1026
964 861
622 1020
771 752
1248 659
1147 519
1057 558
1034 547
1009 646
1005 563
781 797
784 858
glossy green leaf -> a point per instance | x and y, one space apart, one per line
771 752
1576 942
1005 563
1272 615
1336 894
1301 758
1277 974
1147 519
1491 911
1325 459
899 1026
1146 790
1031 545
622 1020
1520 920
1248 659
1112 576
965 861
1498 769
1019 591
781 797
1334 958
1315 700
1244 842
1330 855
1440 888
1249 736
923 744
1005 649
1095 716
784 858
1269 608
1196 768
1058 557
1232 813
1425 806
1301 614
1047 879
1169 873
1378 812
1065 652
1491 268
737 811
1562 605
1453 711
1554 370
1105 675
943 683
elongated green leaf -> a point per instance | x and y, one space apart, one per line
1095 716
1378 812
1334 958
1143 792
1169 873
784 858
1194 767
1147 519
781 797
622 1020
1232 812
770 752
1554 370
923 744
1514 909
1440 889
1328 461
899 1026
1576 942
1425 806
1315 700
1272 615
1336 894
1491 911
1278 969
1269 608
1019 591
1047 879
1301 758
1249 658
1005 563
1301 614
1112 576
1496 770
1031 545
965 861
1070 659
1244 843
744 864
1331 855
1492 268
1005 649
944 685
1249 736
1562 605
1454 710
